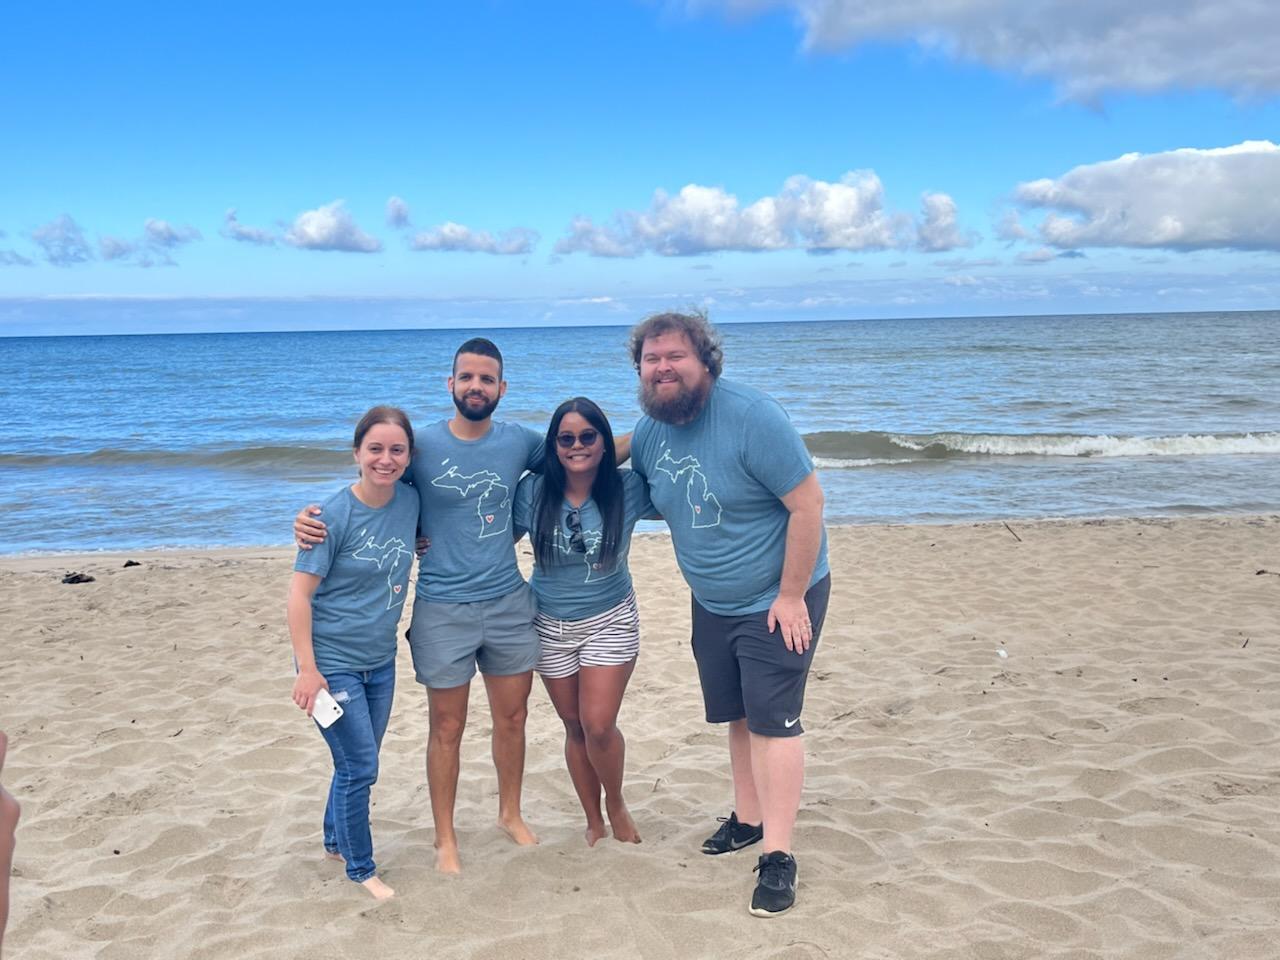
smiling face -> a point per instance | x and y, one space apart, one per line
476 385
674 382
579 458
383 455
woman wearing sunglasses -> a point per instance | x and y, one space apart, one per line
579 515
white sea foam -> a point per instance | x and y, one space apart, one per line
1048 445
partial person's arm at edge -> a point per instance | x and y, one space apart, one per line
307 530
298 609
622 445
9 814
804 539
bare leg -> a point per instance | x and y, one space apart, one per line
564 697
600 697
9 812
448 718
509 707
778 764
746 803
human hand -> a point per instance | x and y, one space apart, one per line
306 530
305 688
792 616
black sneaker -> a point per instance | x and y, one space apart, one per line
776 886
732 835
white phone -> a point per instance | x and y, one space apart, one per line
326 710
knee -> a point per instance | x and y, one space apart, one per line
573 729
512 718
599 731
446 731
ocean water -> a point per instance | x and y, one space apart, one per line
217 439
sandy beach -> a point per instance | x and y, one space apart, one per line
1040 740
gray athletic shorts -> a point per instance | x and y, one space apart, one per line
746 671
450 640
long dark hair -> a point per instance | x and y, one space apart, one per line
606 490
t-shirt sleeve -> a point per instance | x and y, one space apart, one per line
637 505
639 438
522 507
773 450
319 559
537 451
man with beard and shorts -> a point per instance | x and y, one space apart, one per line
472 608
737 487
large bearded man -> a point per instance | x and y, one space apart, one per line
735 483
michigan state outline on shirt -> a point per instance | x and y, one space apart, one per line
704 508
591 542
388 553
493 504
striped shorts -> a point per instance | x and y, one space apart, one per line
605 640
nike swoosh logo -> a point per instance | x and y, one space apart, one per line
790 723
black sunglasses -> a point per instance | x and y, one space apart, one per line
573 520
587 438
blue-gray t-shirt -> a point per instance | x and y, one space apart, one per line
466 489
364 564
718 482
576 586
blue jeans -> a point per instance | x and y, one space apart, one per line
354 740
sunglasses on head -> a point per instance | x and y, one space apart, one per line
573 520
587 438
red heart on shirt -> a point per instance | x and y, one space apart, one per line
697 509
488 518
396 588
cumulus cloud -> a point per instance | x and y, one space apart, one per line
233 229
11 258
397 213
163 235
454 237
1009 227
1086 47
1041 255
939 229
813 215
1189 199
330 227
113 248
63 242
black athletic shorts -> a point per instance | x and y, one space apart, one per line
746 671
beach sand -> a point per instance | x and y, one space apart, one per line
1110 788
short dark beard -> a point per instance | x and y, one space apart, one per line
681 408
484 413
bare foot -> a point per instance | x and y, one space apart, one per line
379 889
334 855
624 828
447 859
594 832
518 831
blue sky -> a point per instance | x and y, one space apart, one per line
503 162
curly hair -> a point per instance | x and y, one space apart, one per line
702 335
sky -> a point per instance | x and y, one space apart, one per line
171 167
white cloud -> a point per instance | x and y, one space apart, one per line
162 234
454 237
1189 199
1086 47
813 215
63 242
113 248
234 230
11 258
1042 255
330 227
397 213
939 230
1009 227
